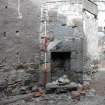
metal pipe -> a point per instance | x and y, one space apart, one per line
45 45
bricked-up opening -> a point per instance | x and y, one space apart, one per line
60 64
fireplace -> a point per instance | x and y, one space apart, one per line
66 57
60 64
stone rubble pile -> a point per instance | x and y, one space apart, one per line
83 94
19 80
60 99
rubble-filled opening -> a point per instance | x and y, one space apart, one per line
60 64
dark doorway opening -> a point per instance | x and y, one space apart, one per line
60 64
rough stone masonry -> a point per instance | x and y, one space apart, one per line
19 45
66 53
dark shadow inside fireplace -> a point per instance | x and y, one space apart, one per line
60 64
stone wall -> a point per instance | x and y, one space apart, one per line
71 64
19 45
65 34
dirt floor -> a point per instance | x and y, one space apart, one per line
98 82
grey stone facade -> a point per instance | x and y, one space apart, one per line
66 51
67 59
18 37
19 44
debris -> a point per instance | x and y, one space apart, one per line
51 85
63 80
34 88
3 84
39 93
80 87
86 86
83 93
28 99
55 84
87 79
73 84
91 93
60 81
23 90
15 98
62 84
75 95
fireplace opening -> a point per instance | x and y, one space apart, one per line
60 64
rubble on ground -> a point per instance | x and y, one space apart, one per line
58 99
19 80
61 84
83 95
